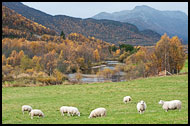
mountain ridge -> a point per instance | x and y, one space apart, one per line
106 30
145 17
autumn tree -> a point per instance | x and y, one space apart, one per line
169 53
50 62
3 60
80 62
59 76
96 55
26 62
117 53
123 56
36 61
6 70
176 55
162 52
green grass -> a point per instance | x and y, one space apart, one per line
87 97
185 68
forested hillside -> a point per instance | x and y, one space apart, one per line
15 25
106 30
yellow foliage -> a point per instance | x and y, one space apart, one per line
117 52
96 55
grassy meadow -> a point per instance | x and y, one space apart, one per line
87 97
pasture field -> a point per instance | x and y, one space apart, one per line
87 97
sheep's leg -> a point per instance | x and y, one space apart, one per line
68 114
62 113
166 110
179 108
31 117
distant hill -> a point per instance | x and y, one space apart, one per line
15 25
145 17
106 30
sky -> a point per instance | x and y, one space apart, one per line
89 9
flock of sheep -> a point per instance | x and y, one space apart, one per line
100 112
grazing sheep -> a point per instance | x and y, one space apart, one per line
98 112
141 107
26 108
73 111
64 109
170 105
126 99
36 112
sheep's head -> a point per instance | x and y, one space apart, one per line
78 113
161 102
142 102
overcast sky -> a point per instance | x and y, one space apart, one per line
89 9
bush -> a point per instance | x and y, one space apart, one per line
49 81
7 78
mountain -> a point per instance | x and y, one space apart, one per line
106 30
144 17
15 25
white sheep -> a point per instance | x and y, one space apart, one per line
64 109
126 99
26 108
73 111
141 107
98 112
170 105
36 112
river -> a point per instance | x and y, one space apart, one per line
92 78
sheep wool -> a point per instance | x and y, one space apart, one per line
36 112
73 111
99 112
26 108
127 99
170 105
64 109
141 107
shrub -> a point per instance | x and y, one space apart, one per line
7 78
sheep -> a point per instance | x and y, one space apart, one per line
126 99
64 109
26 108
98 112
36 112
141 107
170 105
73 111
